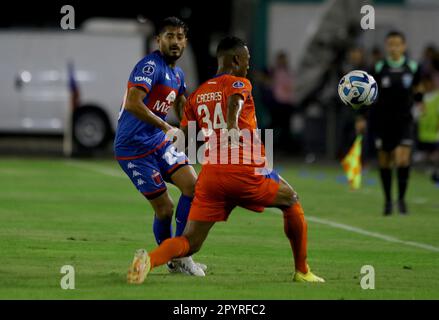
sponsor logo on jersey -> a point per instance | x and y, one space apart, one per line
151 62
143 79
167 77
164 106
148 69
238 84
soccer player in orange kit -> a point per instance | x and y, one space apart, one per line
225 104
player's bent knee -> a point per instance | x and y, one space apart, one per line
185 179
189 189
293 198
287 196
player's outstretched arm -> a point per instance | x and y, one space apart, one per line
134 104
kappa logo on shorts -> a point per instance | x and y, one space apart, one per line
136 173
238 84
157 178
131 165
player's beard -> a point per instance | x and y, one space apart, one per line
173 55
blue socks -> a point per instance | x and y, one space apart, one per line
162 229
183 208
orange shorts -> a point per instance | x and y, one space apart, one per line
220 188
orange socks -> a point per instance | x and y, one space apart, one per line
296 230
294 226
170 248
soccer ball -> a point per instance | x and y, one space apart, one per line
357 88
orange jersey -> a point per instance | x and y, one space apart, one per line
207 106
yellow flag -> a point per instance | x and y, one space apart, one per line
352 164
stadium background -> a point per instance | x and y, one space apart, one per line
58 210
271 27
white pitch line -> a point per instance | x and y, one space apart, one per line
333 224
367 233
372 234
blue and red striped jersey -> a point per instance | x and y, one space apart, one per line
163 85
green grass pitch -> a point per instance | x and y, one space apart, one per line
87 214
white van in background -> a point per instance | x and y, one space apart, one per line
42 71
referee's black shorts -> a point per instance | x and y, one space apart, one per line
393 134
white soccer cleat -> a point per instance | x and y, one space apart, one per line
173 267
187 266
202 266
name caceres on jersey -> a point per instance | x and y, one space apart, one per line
396 80
163 85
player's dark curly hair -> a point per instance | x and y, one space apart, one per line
172 22
395 33
229 43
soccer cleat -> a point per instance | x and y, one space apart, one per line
307 277
189 267
388 208
402 207
140 267
202 266
172 267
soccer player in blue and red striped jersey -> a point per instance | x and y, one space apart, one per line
141 147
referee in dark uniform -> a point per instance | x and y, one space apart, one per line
391 118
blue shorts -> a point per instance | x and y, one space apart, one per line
149 172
